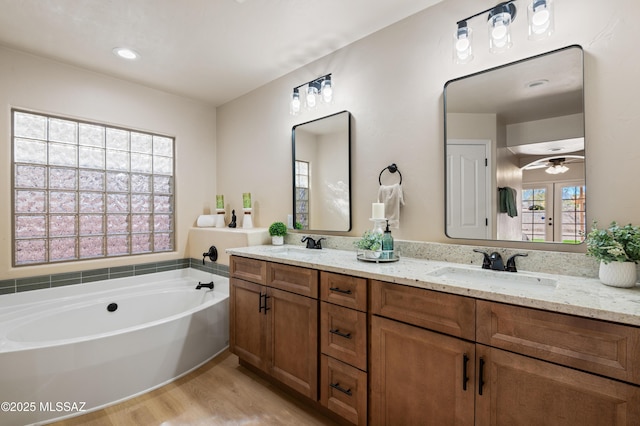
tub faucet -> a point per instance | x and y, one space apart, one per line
207 285
311 243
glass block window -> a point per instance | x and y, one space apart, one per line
302 194
86 190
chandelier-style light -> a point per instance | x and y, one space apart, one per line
557 166
499 19
319 89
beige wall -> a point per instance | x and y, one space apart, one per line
34 83
392 82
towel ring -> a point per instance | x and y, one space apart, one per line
392 168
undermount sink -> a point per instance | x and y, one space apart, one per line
294 251
517 280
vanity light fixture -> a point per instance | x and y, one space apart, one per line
557 166
540 14
319 88
499 21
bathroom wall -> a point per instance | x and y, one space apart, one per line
392 82
44 85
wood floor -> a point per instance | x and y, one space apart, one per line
219 393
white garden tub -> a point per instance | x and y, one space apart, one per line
73 349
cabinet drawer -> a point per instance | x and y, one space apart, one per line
302 281
344 290
343 390
343 334
446 313
248 269
592 345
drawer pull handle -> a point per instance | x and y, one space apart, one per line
465 377
481 377
260 307
337 387
341 334
339 290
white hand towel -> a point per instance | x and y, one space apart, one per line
391 196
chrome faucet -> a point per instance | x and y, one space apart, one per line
494 261
311 243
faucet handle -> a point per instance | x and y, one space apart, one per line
211 254
318 244
486 262
511 262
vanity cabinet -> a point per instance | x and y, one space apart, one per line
343 346
530 368
422 367
274 321
387 354
447 359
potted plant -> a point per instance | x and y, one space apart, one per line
618 249
277 230
370 244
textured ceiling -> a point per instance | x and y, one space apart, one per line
211 50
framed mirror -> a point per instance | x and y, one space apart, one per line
515 151
322 173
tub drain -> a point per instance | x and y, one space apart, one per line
112 307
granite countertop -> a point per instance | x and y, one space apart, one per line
585 297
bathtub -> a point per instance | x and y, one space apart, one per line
69 350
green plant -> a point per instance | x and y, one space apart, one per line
615 243
370 241
277 229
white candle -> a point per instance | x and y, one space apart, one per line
377 211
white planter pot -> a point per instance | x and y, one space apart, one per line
372 254
618 274
277 240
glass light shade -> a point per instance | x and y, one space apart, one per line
499 31
327 90
312 92
462 44
294 105
540 15
557 169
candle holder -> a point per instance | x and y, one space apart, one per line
219 218
247 222
378 225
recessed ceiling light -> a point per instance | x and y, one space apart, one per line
537 83
126 53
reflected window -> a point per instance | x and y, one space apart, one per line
85 190
554 212
533 214
302 194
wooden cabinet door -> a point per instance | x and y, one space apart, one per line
417 377
248 322
292 340
524 391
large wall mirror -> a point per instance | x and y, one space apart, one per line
322 173
515 152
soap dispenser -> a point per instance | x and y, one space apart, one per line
387 244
